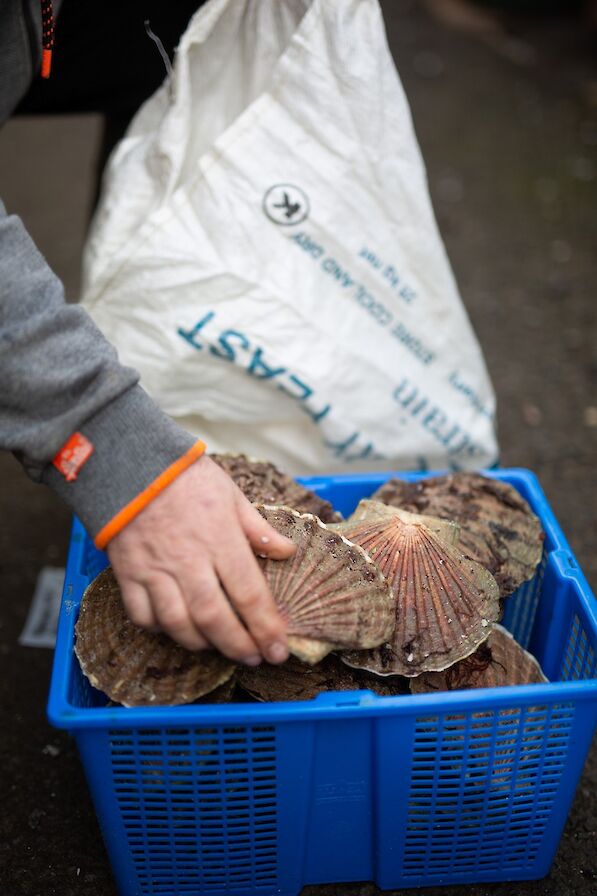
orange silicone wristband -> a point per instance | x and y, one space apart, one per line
134 507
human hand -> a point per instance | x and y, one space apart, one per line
186 566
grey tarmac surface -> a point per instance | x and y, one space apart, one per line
506 114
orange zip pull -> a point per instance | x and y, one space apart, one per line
46 63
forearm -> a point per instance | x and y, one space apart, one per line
58 376
56 369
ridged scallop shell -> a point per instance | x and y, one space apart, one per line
497 527
294 680
500 662
263 483
445 602
329 592
135 667
447 530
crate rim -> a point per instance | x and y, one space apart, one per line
337 705
363 704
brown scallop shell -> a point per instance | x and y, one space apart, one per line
497 527
329 592
500 662
224 693
294 680
262 483
135 667
445 602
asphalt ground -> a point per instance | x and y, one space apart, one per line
506 114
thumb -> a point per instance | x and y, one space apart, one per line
262 537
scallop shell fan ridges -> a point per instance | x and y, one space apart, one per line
330 592
498 528
444 602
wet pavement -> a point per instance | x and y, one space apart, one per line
507 120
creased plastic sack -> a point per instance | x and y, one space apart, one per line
265 252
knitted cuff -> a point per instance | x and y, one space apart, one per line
118 461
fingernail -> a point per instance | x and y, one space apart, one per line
254 660
264 539
278 652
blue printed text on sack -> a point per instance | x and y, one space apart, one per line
235 346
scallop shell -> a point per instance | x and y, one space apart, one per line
445 602
261 482
329 592
224 693
294 680
309 650
447 530
135 667
500 662
497 527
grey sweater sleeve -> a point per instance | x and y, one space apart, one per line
59 375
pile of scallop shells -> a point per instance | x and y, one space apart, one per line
403 596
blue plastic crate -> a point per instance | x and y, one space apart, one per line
462 787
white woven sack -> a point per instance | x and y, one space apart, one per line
265 251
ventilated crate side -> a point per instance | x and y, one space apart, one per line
483 795
202 810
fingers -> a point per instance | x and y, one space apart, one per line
186 564
262 537
201 619
172 614
248 592
214 617
137 605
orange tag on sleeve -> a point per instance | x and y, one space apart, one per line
73 454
